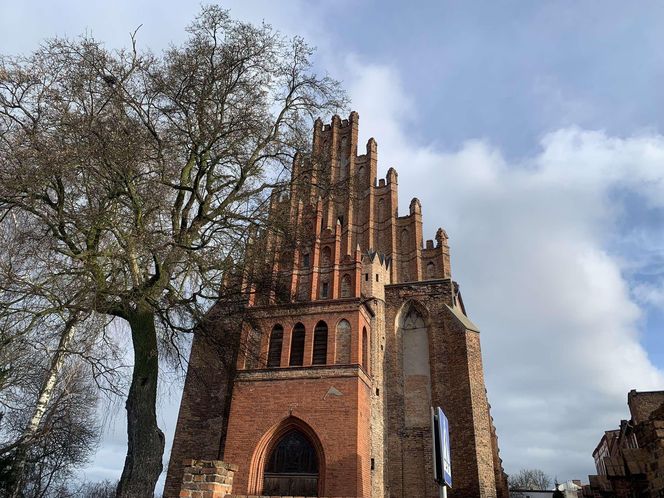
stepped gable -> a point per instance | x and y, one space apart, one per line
352 329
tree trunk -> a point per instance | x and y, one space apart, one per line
43 399
145 447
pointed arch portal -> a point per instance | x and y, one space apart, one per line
292 467
288 461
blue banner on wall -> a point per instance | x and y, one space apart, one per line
441 447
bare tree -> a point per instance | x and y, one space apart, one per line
35 466
533 479
102 489
137 176
47 395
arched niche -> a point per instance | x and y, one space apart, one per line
346 286
431 270
252 353
381 209
365 349
413 330
343 339
405 241
326 256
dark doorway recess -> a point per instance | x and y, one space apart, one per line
292 469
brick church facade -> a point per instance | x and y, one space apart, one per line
325 389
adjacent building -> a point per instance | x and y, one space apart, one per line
630 460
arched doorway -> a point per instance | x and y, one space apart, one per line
292 467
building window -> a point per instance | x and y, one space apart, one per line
365 349
431 270
252 349
276 341
292 466
320 344
324 290
345 286
305 260
297 346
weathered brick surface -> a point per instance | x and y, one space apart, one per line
642 404
366 410
457 386
207 479
264 400
630 460
201 425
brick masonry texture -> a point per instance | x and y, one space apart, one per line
630 460
398 341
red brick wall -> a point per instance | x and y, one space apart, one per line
205 402
457 385
262 400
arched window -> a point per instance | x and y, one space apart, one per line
252 349
297 346
416 366
324 289
320 344
404 241
345 286
305 260
431 270
365 349
276 341
381 209
327 256
343 342
292 468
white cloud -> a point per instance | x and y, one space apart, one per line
530 247
650 294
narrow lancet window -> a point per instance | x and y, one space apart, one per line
276 341
365 349
320 344
345 286
297 346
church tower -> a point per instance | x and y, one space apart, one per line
324 386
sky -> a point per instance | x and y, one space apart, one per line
533 133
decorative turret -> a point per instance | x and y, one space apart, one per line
392 175
375 274
415 206
441 237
